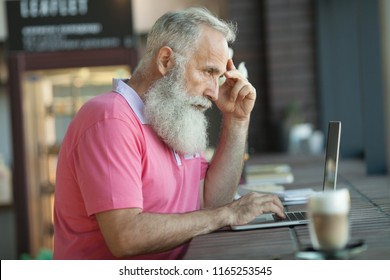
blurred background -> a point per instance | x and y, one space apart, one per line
312 61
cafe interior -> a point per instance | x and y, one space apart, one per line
311 61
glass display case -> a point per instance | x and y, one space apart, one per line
51 99
46 90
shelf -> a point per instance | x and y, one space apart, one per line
47 188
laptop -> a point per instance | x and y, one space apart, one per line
329 183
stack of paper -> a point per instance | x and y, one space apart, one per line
288 197
297 196
269 174
271 179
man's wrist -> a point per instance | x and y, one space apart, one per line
223 216
233 122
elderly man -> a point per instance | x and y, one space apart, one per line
131 180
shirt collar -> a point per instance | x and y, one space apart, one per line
132 98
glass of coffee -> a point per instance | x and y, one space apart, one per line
329 219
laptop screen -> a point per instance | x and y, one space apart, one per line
332 155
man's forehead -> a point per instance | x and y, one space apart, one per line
213 49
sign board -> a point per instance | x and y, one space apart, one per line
58 25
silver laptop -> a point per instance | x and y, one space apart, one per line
329 183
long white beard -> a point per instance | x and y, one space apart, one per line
172 114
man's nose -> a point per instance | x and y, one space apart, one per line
212 90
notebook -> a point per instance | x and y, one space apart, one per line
329 183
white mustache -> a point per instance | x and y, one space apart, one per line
200 101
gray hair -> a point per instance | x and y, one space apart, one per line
180 29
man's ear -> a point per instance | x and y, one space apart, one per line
165 60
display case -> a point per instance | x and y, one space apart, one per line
46 91
51 99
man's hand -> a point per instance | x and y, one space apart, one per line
236 95
252 205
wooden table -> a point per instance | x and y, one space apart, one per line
369 218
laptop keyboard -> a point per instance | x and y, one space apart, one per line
291 216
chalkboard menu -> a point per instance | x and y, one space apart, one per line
58 25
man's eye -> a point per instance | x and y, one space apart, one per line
221 80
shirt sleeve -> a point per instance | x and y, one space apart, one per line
108 164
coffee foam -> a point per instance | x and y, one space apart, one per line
330 202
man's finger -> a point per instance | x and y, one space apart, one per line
230 65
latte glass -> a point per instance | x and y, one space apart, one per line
329 219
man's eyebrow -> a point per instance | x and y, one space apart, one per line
215 69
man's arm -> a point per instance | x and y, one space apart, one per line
225 169
131 232
236 100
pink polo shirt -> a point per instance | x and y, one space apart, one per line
110 158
